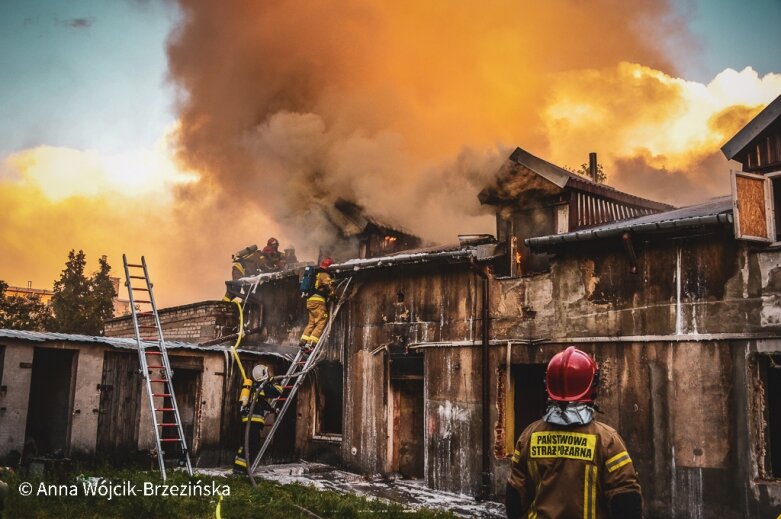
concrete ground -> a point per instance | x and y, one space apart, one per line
408 492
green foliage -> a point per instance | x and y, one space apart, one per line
268 501
584 172
81 304
22 312
100 302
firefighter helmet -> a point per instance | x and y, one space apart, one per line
259 372
272 242
326 262
572 376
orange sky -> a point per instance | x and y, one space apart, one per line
405 107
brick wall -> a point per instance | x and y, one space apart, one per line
196 322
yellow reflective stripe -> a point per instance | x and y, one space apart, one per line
218 511
316 297
590 492
617 461
516 456
614 458
619 465
594 494
240 462
238 266
306 338
586 481
535 475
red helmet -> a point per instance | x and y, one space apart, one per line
572 376
272 242
326 262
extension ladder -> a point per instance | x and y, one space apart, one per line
153 358
294 377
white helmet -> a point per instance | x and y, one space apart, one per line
259 372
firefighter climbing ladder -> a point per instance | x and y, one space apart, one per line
155 351
296 373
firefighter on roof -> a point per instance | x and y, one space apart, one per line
272 260
317 305
568 464
264 393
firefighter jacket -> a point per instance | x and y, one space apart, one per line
572 471
323 286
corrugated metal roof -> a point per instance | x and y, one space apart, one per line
121 342
715 211
750 132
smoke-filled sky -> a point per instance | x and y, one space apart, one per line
187 130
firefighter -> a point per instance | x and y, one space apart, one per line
567 464
265 393
317 306
272 260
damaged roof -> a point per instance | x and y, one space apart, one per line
130 343
352 219
479 250
752 130
560 178
716 211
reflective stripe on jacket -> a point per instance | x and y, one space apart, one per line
570 471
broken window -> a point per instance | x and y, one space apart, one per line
388 243
328 398
527 396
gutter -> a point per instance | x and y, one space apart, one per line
408 259
590 234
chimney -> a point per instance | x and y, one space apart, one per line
592 165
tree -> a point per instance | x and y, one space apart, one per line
81 304
584 171
22 312
100 304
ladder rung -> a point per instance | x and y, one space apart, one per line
134 265
166 425
162 380
289 387
140 288
170 440
161 394
153 352
155 367
281 398
136 277
142 301
165 409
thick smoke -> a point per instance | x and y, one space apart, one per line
405 108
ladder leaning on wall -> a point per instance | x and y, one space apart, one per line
155 368
302 364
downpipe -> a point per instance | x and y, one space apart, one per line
485 486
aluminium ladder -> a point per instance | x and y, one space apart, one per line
157 372
296 373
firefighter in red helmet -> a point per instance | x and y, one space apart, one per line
317 306
567 464
273 260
